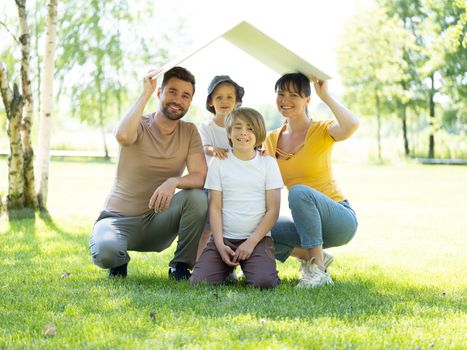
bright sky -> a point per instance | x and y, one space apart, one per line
310 28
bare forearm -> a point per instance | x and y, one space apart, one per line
344 117
126 131
215 219
265 225
191 180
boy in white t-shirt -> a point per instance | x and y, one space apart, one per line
224 95
244 205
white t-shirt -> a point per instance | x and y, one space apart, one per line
243 184
213 135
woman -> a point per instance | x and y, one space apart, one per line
322 217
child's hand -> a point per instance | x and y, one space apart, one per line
244 251
227 254
220 153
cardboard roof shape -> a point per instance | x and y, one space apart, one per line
263 48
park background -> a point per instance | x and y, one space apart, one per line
399 284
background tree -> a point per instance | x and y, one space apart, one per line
91 52
45 122
371 65
26 122
412 86
438 59
19 108
449 22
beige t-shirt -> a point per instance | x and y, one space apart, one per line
147 163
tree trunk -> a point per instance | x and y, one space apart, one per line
13 102
26 123
104 141
15 198
38 59
378 125
431 139
404 129
45 122
100 115
403 110
101 126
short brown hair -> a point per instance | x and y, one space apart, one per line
252 117
179 73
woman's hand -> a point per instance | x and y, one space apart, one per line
321 88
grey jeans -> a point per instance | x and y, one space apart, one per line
114 235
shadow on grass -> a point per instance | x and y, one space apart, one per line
51 224
22 229
356 299
21 237
21 214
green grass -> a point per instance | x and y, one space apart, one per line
399 284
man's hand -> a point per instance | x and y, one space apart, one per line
160 200
244 251
127 129
149 82
226 254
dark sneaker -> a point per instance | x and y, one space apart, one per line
179 272
119 271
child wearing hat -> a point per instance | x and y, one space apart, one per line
224 95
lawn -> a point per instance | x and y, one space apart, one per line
400 284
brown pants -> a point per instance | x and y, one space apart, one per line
259 269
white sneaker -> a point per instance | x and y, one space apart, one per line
313 276
327 259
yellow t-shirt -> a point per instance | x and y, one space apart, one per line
310 166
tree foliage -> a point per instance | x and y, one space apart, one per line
410 56
371 64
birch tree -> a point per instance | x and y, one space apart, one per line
13 102
19 108
45 122
26 122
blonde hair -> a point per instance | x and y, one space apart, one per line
252 117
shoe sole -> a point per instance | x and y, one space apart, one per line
305 285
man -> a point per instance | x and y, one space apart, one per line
142 211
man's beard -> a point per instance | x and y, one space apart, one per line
173 115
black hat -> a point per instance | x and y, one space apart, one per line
219 79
